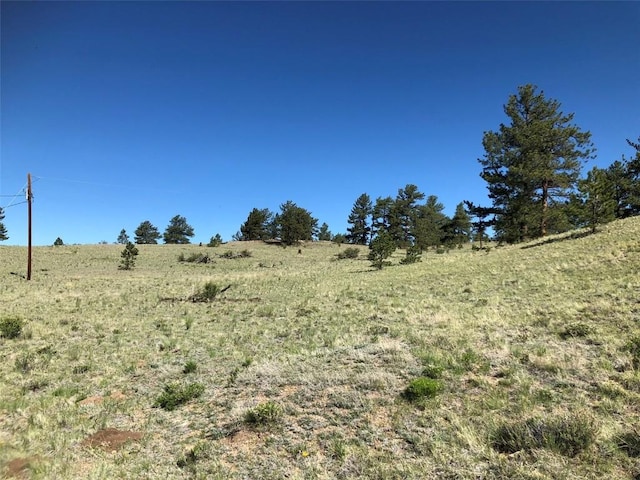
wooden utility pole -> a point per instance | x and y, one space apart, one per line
29 199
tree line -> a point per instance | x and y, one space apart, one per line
532 166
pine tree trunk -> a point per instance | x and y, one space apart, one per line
545 207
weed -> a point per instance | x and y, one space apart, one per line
267 413
11 327
175 395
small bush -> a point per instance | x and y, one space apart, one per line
350 252
208 293
422 388
175 395
567 435
11 327
267 413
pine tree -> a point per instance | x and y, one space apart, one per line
324 234
598 202
532 165
178 231
458 230
430 223
404 214
381 215
360 229
381 248
295 224
482 220
128 257
257 225
146 233
123 238
215 241
3 230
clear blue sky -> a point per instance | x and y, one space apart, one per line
133 111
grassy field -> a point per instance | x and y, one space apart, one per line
521 362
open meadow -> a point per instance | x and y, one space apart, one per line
520 362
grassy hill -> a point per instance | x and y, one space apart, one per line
521 362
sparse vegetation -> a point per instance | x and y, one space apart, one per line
318 368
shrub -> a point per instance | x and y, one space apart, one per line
208 293
422 388
11 327
350 252
175 395
194 258
58 242
568 435
267 413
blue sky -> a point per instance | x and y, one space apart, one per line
133 111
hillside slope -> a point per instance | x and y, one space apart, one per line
532 355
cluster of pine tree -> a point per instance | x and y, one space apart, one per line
291 225
532 167
408 222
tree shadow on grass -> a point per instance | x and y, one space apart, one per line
571 236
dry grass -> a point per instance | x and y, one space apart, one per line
330 346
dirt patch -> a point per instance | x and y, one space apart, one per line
19 467
110 439
96 400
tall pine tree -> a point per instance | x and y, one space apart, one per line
3 229
360 230
532 165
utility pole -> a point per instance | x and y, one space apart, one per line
29 201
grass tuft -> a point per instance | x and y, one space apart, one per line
422 388
568 434
175 395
